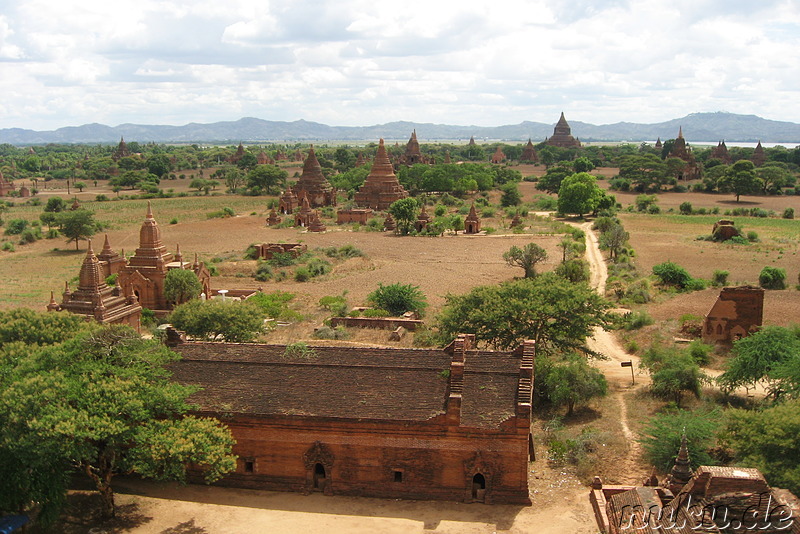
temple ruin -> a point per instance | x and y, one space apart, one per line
121 150
499 156
720 152
759 157
472 223
529 154
692 169
6 186
738 312
562 135
313 185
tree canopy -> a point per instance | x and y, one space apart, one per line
526 257
100 404
574 381
404 212
579 194
399 298
181 285
262 178
77 225
231 321
548 309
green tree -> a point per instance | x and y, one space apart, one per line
101 402
582 164
578 194
774 178
548 309
55 205
77 225
159 164
670 273
248 161
764 356
526 257
510 195
740 179
772 278
235 322
404 212
575 270
262 178
673 372
646 172
398 298
81 186
662 436
767 440
551 181
181 285
574 382
614 240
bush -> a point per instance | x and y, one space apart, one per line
375 313
399 298
685 208
719 278
752 237
276 305
251 252
663 433
636 320
696 284
299 350
788 213
101 198
699 351
653 209
772 278
439 210
263 272
173 221
282 259
326 332
16 226
638 291
30 235
574 270
318 267
8 246
336 304
302 275
672 274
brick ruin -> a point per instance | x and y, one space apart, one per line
562 135
422 220
381 187
720 152
267 251
451 424
759 157
499 156
724 229
121 150
272 218
691 170
355 215
738 312
529 153
6 186
288 202
709 500
94 299
313 185
412 154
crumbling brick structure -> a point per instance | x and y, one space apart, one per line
738 312
724 229
529 153
450 424
472 224
692 169
6 186
499 156
267 251
360 216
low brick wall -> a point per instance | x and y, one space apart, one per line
387 323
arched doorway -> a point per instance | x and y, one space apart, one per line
478 487
320 477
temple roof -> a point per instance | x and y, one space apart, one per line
311 179
151 248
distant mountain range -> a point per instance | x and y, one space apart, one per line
696 127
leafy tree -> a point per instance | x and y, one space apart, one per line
774 178
673 372
767 440
548 309
662 436
614 240
262 178
398 298
159 164
570 248
101 402
670 273
404 212
510 195
579 194
77 225
235 322
740 179
551 181
573 382
38 328
181 285
646 172
55 205
582 164
526 257
772 278
575 270
81 186
766 355
353 179
344 158
248 161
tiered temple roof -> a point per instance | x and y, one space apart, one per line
472 224
759 157
381 187
529 153
313 185
562 135
720 152
121 151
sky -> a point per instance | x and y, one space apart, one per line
359 63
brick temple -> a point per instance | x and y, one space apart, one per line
529 153
562 135
313 185
6 186
720 152
381 187
450 424
737 313
680 150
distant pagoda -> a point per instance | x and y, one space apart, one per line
381 187
313 185
562 135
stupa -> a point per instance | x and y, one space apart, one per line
759 157
313 185
381 187
499 156
562 135
529 153
472 224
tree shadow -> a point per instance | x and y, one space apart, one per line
82 514
187 527
740 203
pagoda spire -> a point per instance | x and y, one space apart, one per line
90 278
178 255
680 132
681 472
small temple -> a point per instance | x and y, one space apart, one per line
238 155
412 154
529 153
381 187
720 152
737 313
680 150
95 299
121 150
472 224
313 185
759 157
499 156
659 144
562 135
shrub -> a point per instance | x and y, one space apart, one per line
696 284
487 212
173 221
636 320
653 209
302 275
738 240
685 208
326 332
16 226
336 304
752 237
251 253
574 270
373 312
788 213
276 305
318 267
638 291
398 298
699 351
440 210
282 259
663 433
101 198
299 350
8 246
772 278
719 278
643 202
30 235
672 274
263 272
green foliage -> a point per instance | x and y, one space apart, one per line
672 372
326 332
214 319
336 304
672 274
399 298
343 252
636 320
772 278
77 225
510 195
614 240
103 402
574 270
263 271
644 202
549 309
16 226
404 212
719 278
38 328
299 350
263 178
685 208
788 213
579 194
663 433
181 285
375 313
739 179
526 257
767 355
574 381
276 305
282 259
30 235
767 440
699 351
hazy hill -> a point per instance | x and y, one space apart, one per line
696 127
